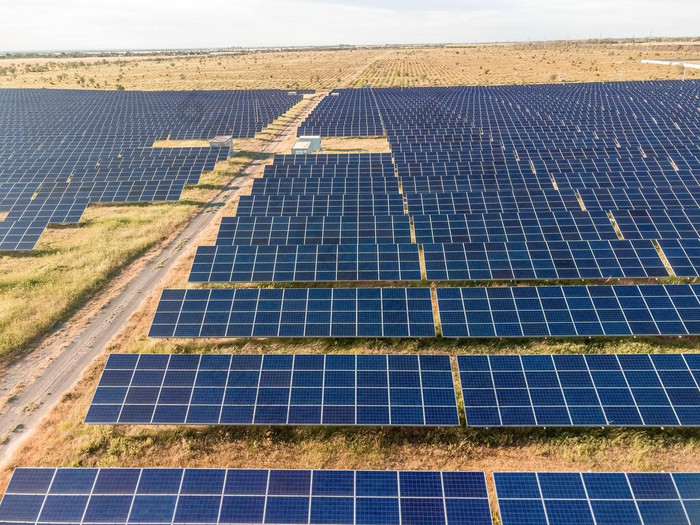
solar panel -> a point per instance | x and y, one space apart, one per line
314 263
673 223
368 390
307 205
463 183
548 498
683 255
325 186
659 390
363 159
503 201
640 198
232 496
247 231
316 312
514 227
569 311
356 170
543 260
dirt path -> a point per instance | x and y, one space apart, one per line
34 383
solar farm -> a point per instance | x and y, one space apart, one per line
494 323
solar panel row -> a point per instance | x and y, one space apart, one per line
230 496
523 311
378 390
569 311
657 390
581 390
314 230
313 263
549 498
307 205
545 260
443 262
295 312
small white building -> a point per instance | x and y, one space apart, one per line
302 147
222 141
315 141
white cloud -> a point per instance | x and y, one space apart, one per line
140 24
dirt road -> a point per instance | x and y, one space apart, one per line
34 383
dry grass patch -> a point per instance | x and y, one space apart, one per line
181 144
355 145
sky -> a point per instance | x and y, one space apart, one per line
49 25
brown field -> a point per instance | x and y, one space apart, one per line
431 66
65 441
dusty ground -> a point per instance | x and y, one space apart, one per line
323 70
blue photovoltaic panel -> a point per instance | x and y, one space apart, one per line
514 227
314 230
569 311
355 170
237 497
307 205
683 255
659 390
491 202
325 186
368 390
359 159
298 312
542 260
641 198
673 223
444 183
314 263
589 498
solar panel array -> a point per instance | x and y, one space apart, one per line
543 260
581 390
295 312
393 390
345 113
314 263
615 498
570 311
60 150
75 496
588 181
